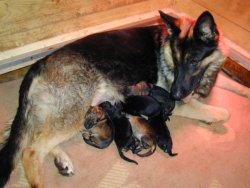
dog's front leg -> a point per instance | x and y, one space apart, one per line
203 112
62 161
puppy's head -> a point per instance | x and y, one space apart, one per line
93 115
99 136
191 48
110 110
165 144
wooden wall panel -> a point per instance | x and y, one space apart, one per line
31 27
27 21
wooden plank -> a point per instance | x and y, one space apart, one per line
26 51
27 21
14 58
237 71
28 54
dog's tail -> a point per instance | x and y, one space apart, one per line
10 150
11 147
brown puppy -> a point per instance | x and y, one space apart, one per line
145 135
117 123
99 136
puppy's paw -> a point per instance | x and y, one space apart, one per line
64 165
141 88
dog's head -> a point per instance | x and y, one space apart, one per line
189 51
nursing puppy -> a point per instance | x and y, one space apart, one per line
148 106
123 135
163 137
98 131
148 100
181 56
100 135
145 135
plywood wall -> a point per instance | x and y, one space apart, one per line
27 21
29 28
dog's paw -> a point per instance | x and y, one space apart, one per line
64 165
219 116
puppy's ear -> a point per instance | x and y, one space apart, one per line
205 28
170 22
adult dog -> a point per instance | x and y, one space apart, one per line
181 56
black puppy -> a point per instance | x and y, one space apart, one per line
163 137
142 105
124 138
142 94
157 107
165 100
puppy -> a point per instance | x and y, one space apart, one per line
145 135
93 116
148 106
141 105
160 101
99 136
123 135
165 100
163 137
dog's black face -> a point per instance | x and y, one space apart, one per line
190 50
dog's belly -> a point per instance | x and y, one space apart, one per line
62 92
106 92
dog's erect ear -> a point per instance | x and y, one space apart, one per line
205 28
170 21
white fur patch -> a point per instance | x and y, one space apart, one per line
40 97
106 92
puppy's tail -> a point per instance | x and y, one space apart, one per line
10 150
125 158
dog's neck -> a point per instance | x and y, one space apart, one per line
165 65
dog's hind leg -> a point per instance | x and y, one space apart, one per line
62 161
32 163
203 112
33 156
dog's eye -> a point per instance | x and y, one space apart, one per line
193 62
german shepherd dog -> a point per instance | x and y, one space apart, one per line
181 56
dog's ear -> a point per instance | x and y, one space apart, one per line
205 28
170 21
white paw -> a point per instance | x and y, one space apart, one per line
219 116
64 165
